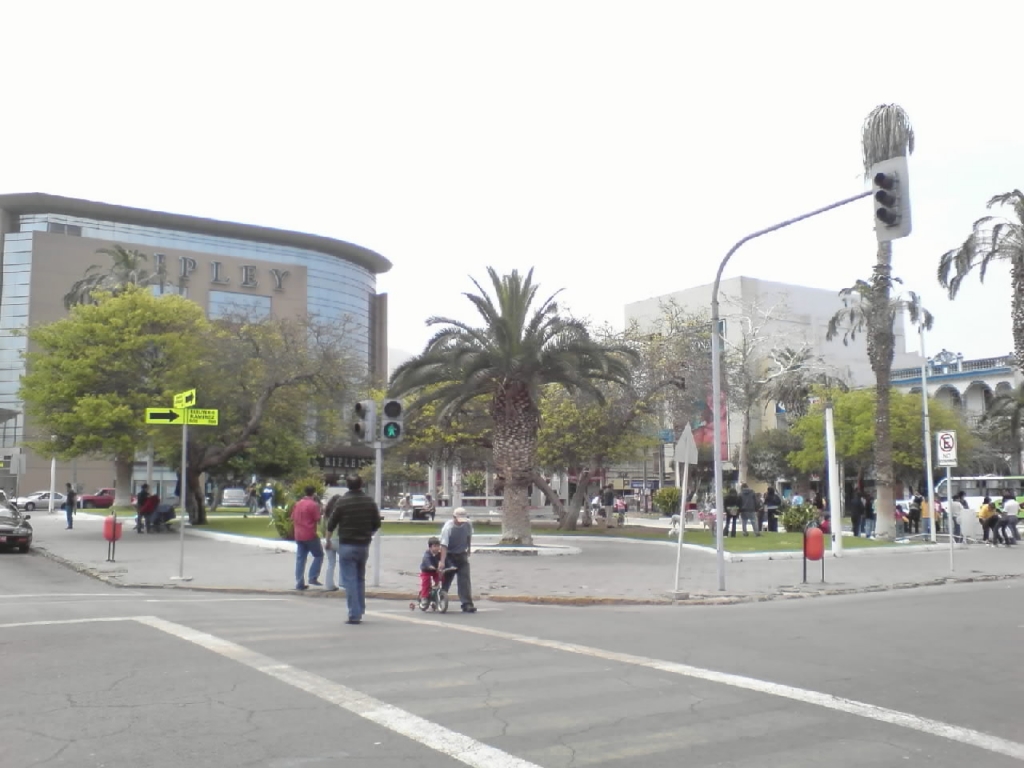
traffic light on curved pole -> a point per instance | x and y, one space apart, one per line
890 182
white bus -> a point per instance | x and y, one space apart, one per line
975 490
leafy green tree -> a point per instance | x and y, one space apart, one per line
854 415
885 134
91 375
271 380
128 268
1003 422
769 453
521 346
585 435
992 239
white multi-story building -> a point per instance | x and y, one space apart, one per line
782 315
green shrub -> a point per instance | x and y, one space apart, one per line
795 519
666 500
284 502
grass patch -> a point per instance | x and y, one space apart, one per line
767 542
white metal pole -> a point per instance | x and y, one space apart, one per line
834 496
716 400
53 472
682 516
183 501
927 426
378 448
949 513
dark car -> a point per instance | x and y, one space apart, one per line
15 530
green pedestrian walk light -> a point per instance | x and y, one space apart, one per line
391 425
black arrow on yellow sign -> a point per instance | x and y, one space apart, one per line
167 415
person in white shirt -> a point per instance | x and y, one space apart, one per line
1011 511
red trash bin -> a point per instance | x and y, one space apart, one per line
112 529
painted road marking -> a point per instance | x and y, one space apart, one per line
202 600
70 594
58 622
437 737
870 711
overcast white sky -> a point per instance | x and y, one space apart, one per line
617 147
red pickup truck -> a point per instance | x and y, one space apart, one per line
102 499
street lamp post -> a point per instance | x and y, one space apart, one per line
53 471
716 373
928 445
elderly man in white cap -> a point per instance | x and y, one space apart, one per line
456 540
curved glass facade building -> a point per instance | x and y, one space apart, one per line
47 242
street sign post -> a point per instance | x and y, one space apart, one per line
164 416
185 399
184 414
686 454
945 442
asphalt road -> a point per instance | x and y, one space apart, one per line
96 676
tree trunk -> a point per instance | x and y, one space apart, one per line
516 421
123 468
742 460
881 350
1017 314
193 501
579 498
556 503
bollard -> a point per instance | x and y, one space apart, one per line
111 532
814 548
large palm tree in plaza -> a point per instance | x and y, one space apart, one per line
993 238
522 345
886 133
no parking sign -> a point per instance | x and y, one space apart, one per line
945 448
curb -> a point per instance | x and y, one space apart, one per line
705 599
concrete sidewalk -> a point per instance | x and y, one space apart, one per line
605 570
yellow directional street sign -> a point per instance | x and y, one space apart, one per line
185 399
165 416
202 416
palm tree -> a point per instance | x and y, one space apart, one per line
519 348
128 268
1005 417
870 309
993 238
886 133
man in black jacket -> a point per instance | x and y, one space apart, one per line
357 518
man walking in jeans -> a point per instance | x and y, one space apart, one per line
456 538
357 518
305 516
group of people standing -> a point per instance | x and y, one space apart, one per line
348 525
756 509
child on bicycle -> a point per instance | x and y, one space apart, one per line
429 573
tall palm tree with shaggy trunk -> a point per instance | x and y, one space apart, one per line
886 133
870 309
993 238
522 345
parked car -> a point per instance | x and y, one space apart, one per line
15 530
40 499
102 499
235 497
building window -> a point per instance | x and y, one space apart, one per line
64 229
227 304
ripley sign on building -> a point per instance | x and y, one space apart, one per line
249 274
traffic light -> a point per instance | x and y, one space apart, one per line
891 185
364 421
392 424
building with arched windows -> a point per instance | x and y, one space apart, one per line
966 385
47 242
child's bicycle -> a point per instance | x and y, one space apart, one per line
438 598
